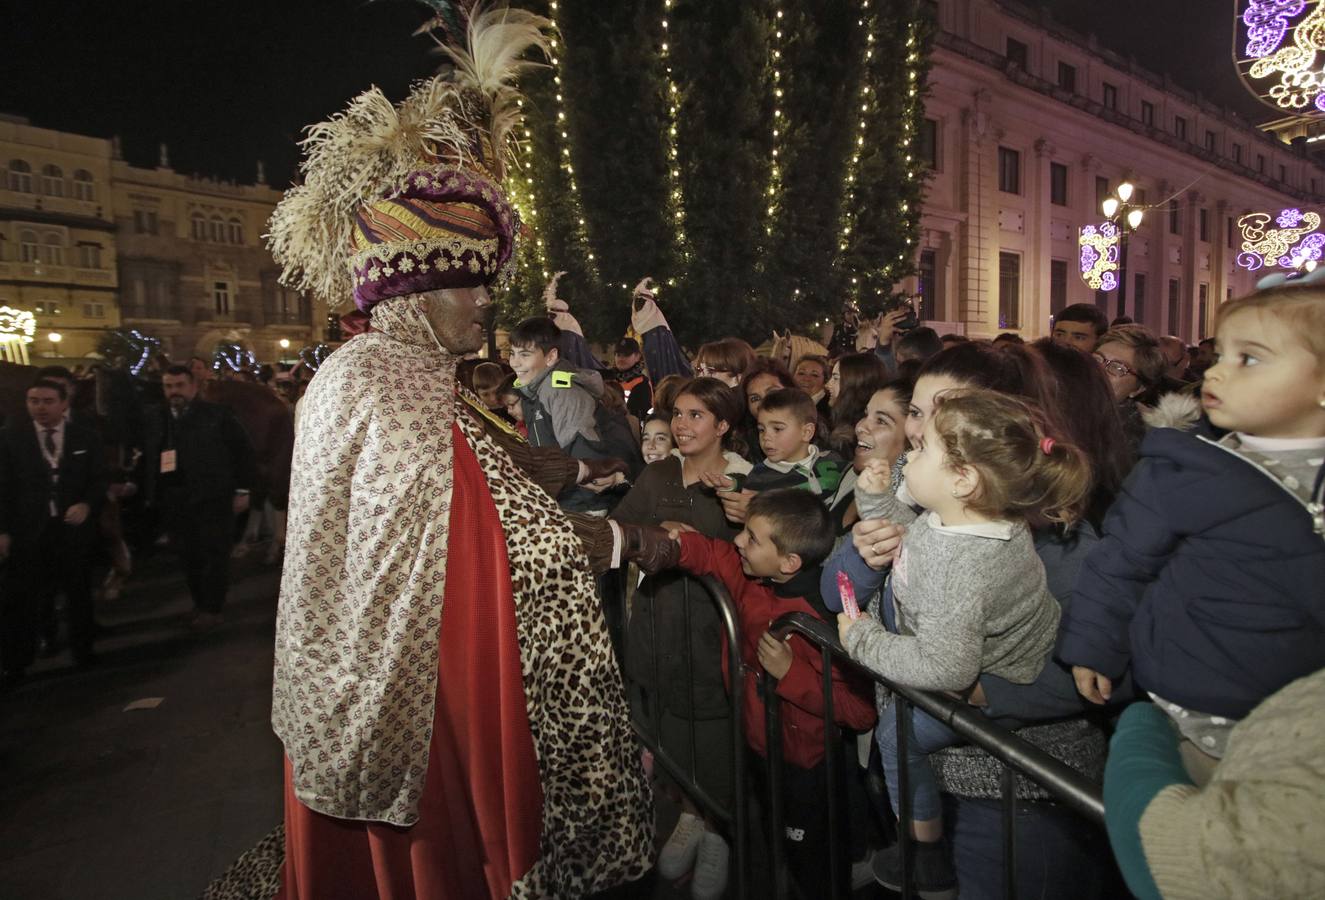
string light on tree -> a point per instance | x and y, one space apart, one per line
774 190
865 21
562 139
676 200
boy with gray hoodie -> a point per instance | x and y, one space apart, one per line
559 400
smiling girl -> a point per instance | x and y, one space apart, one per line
674 638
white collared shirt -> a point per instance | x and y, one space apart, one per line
52 461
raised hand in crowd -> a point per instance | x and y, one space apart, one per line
876 478
887 324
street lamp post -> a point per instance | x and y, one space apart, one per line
1118 206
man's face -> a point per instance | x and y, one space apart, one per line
46 406
624 361
1076 334
179 390
201 371
457 317
528 362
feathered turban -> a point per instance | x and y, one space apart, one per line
404 199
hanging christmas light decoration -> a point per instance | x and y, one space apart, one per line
1099 256
1291 243
866 22
1282 43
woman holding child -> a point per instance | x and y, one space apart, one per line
1075 406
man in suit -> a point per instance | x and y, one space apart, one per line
52 482
199 471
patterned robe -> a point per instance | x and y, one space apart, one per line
361 594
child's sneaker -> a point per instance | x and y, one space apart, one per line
678 854
710 878
933 873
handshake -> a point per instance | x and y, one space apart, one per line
651 548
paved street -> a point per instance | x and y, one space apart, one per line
144 804
100 802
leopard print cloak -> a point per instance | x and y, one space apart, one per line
356 639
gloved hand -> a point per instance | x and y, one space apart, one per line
652 549
593 469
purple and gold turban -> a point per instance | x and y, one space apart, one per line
444 228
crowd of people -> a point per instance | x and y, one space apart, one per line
1100 522
1027 528
108 465
1102 539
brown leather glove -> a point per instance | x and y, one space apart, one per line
651 548
602 468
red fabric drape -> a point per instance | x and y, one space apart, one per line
479 818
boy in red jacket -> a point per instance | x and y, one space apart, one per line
774 569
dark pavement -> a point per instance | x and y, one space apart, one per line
100 802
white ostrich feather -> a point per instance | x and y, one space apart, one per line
497 40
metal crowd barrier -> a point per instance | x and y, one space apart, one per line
1019 757
735 819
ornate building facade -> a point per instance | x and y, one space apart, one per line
1029 127
193 268
57 236
89 242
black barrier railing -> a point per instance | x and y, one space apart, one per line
736 819
1018 756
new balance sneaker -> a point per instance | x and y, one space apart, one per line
932 871
678 855
710 878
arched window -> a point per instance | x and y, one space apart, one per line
84 189
236 230
53 248
20 176
199 227
217 230
28 248
52 181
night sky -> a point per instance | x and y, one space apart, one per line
227 83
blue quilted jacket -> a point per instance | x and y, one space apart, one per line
1209 583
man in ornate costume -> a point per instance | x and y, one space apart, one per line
452 713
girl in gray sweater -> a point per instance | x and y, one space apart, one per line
967 592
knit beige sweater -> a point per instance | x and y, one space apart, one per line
1258 828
